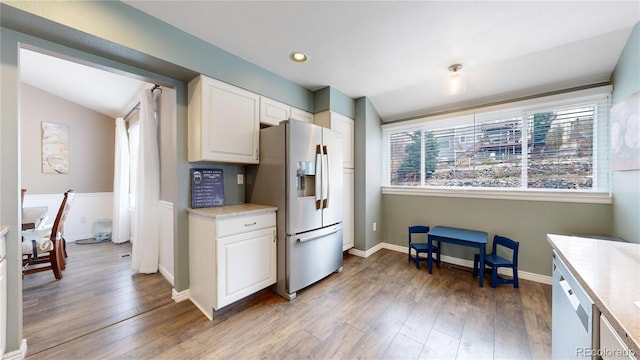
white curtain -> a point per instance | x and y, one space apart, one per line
145 249
120 224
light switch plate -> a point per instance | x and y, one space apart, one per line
240 179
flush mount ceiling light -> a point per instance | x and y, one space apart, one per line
298 57
455 81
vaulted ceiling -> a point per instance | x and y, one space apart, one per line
397 52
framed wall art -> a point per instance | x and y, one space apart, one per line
625 134
55 148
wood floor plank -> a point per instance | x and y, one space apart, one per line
440 346
381 307
536 307
98 289
403 347
339 343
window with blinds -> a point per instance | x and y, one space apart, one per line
560 145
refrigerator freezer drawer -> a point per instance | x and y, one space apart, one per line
312 256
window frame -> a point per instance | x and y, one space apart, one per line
524 108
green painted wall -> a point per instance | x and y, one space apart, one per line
367 153
626 184
10 182
330 98
525 221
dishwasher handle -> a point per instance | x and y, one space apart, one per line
568 292
575 303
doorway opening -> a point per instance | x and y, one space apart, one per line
98 287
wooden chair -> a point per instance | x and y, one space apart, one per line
494 261
47 247
421 247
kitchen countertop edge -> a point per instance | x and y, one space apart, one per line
630 336
231 210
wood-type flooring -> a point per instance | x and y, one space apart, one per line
381 307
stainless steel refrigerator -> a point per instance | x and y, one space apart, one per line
300 172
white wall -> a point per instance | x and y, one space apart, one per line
86 209
165 263
91 144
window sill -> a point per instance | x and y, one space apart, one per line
528 195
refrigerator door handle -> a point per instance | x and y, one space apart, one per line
313 237
326 176
318 182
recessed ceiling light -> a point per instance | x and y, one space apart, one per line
298 56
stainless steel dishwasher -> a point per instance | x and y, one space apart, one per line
574 334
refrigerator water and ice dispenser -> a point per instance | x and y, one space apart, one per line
306 179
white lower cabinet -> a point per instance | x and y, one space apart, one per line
230 257
246 263
611 345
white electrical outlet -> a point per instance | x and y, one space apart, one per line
375 226
240 179
83 220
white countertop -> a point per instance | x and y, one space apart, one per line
609 271
231 210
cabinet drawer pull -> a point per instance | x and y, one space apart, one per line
253 223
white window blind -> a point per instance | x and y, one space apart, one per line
552 145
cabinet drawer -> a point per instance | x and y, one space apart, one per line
241 224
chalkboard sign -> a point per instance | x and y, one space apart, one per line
207 188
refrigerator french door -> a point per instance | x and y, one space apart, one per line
314 167
300 172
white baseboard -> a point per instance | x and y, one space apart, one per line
180 296
452 260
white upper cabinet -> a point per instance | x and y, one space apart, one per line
343 124
272 112
301 115
223 122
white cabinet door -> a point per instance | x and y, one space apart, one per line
246 263
343 124
348 236
273 112
611 345
346 126
301 115
223 122
202 255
